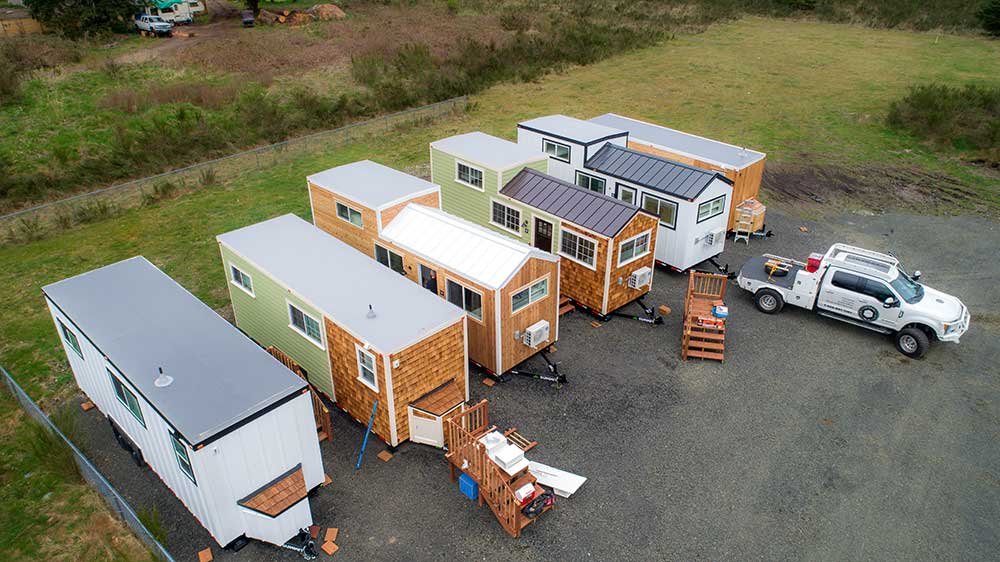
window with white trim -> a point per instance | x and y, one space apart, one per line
350 215
472 177
529 295
126 397
366 369
506 217
556 150
633 248
627 194
390 259
241 279
590 182
305 324
666 210
466 299
70 338
712 208
577 247
183 460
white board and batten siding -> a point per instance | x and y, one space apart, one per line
583 138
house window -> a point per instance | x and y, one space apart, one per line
126 397
241 279
556 150
506 217
390 259
627 194
472 177
466 299
350 215
633 248
70 338
530 294
183 460
305 324
590 182
712 208
366 369
577 248
666 210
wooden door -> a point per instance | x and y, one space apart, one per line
543 235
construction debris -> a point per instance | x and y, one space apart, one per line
331 534
563 483
664 309
326 12
314 531
489 382
205 555
87 406
319 12
384 456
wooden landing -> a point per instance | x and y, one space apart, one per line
704 336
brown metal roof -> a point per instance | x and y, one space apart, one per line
278 495
591 210
441 399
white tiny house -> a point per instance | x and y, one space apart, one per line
569 143
224 425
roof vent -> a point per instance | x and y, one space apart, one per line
163 380
371 312
743 153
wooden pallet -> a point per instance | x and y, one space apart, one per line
521 441
708 340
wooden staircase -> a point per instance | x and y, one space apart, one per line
565 305
704 336
324 426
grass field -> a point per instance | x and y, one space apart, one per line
808 94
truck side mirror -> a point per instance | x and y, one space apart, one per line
916 275
890 302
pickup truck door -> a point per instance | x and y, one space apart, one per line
839 293
860 298
874 294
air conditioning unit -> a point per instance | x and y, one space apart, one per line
536 334
640 278
714 237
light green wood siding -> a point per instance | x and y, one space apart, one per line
264 317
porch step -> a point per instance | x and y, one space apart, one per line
720 336
566 308
695 344
563 299
705 354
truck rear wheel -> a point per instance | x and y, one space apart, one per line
912 342
768 301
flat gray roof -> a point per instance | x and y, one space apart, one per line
480 148
142 320
371 183
583 207
341 282
660 174
571 128
685 144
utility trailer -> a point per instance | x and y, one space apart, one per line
861 287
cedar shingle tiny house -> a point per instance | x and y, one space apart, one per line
361 332
692 203
743 166
569 143
476 269
607 244
220 421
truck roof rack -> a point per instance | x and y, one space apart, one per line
862 260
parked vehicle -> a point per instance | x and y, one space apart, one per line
155 25
247 17
861 287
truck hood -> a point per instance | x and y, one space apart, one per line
942 306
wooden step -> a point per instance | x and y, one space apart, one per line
695 344
705 354
563 299
566 308
718 336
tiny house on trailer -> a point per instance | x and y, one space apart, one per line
607 244
743 166
692 203
359 330
225 426
569 143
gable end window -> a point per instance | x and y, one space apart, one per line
590 182
472 177
506 217
126 397
666 210
183 460
390 259
241 279
712 208
466 299
366 369
529 295
578 248
305 324
633 249
350 215
70 338
556 150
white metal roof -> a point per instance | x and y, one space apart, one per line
571 128
494 152
142 320
371 183
474 252
685 144
342 282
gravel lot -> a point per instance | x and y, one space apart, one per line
815 440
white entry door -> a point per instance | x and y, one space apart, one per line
426 428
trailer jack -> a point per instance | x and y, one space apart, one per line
553 374
648 316
303 544
722 269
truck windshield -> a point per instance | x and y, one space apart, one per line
908 289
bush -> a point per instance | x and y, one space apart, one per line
21 55
964 118
989 17
151 520
93 211
54 454
83 18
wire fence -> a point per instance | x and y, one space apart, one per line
36 222
90 473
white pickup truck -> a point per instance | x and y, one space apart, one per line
154 25
861 287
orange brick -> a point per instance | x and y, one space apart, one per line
489 382
664 309
327 480
205 555
384 456
87 406
330 548
314 531
331 534
595 324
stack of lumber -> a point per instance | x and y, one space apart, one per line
320 12
704 336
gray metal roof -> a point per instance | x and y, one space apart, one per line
685 144
571 128
142 320
660 174
371 183
583 207
494 152
341 282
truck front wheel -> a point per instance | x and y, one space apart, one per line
912 342
768 301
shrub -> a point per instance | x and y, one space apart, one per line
21 55
83 18
93 211
207 177
964 118
53 454
151 520
162 190
515 20
989 17
26 229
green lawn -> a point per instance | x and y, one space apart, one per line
802 92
